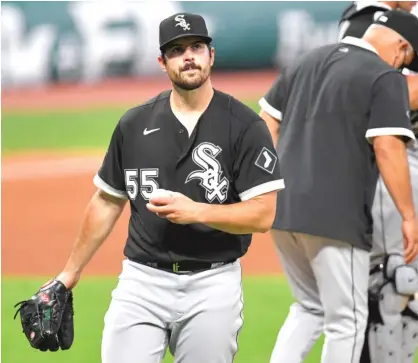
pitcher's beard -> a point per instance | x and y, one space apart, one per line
190 85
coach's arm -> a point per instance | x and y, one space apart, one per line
389 131
393 165
412 81
273 124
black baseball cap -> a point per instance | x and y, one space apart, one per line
183 25
405 24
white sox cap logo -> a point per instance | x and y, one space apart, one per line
182 22
204 155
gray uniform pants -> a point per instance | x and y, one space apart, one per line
329 281
198 316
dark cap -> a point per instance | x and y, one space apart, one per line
405 24
182 25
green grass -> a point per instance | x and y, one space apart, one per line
266 305
60 130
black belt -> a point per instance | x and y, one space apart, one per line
185 266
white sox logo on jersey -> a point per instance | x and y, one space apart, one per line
204 155
182 22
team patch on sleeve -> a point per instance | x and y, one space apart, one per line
266 160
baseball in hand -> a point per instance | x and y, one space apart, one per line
160 193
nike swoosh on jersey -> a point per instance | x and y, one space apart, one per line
147 132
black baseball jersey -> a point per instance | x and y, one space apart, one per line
358 16
228 158
333 102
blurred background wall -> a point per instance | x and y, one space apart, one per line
83 41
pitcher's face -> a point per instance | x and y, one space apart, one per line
188 62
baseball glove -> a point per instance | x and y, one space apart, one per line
47 317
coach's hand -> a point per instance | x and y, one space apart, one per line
176 207
410 239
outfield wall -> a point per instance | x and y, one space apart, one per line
87 41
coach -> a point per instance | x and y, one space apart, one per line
393 308
343 115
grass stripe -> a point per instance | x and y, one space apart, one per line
57 130
266 305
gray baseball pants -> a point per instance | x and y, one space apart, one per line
197 316
329 281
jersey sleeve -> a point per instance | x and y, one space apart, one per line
273 102
256 168
110 176
389 111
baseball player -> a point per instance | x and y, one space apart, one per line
201 174
342 115
391 334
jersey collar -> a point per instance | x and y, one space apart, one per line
359 43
